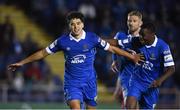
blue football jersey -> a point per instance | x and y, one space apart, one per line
79 56
126 42
157 57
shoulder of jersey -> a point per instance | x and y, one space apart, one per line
161 42
121 35
91 35
63 37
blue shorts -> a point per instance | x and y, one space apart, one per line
85 92
124 88
124 78
147 97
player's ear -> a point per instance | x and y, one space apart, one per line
82 25
141 23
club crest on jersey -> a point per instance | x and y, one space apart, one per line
85 47
152 56
78 59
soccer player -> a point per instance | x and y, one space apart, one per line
79 48
147 77
131 43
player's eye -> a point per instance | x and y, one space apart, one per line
78 23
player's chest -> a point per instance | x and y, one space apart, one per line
151 54
77 47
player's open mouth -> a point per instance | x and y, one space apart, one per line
76 31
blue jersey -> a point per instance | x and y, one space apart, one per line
79 56
127 42
157 57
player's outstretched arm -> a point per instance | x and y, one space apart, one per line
135 58
113 42
36 56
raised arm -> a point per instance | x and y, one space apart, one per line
36 56
113 42
135 58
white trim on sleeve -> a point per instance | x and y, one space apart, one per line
168 64
120 43
107 46
49 51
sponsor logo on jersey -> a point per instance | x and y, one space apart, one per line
78 59
148 65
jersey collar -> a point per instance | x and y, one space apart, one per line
77 40
154 43
130 35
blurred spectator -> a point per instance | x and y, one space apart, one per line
33 73
29 45
7 32
88 9
18 82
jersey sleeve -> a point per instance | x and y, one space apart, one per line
122 39
167 56
54 47
100 43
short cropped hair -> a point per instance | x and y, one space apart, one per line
135 13
74 14
149 26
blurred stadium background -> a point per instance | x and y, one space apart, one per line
29 25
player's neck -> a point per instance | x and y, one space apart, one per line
134 33
77 36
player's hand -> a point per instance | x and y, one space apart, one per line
156 83
13 67
138 58
142 57
114 67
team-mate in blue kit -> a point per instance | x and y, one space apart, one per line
147 77
126 66
79 49
131 43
